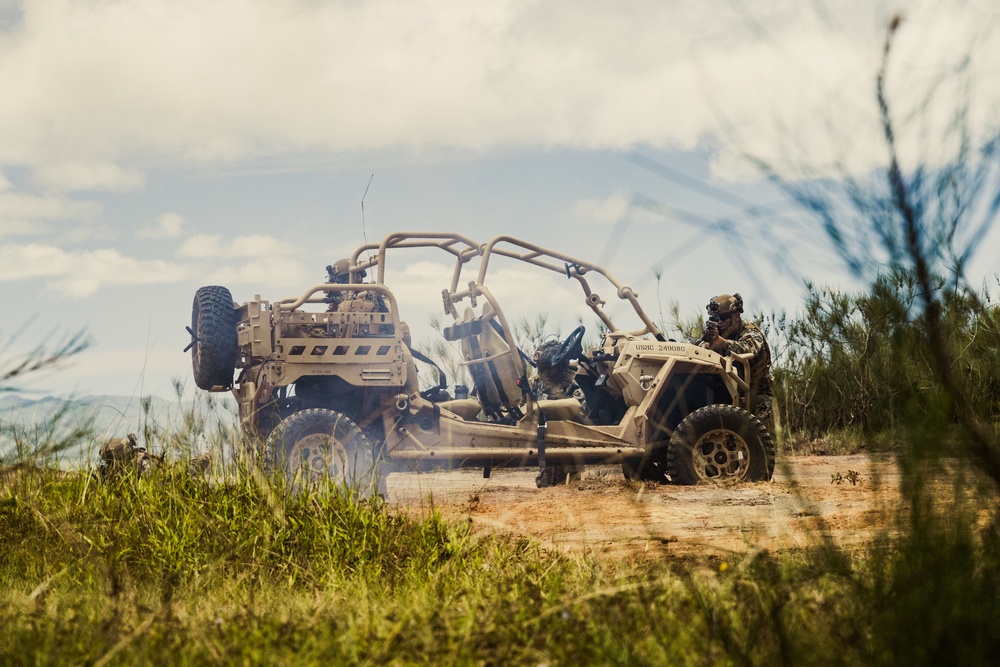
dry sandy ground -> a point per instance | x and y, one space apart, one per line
605 515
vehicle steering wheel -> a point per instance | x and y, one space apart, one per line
571 348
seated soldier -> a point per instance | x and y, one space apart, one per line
550 381
553 382
339 273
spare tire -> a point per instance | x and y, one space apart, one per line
721 444
213 330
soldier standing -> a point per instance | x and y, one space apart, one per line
726 332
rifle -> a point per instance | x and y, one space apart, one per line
711 328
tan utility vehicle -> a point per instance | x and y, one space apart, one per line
327 380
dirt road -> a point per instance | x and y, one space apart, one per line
608 516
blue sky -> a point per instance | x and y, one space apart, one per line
149 147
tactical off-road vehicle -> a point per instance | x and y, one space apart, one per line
328 384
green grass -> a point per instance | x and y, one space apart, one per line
174 570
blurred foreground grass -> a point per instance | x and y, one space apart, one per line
172 569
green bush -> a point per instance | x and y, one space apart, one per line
860 361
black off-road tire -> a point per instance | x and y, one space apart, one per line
315 445
721 444
213 326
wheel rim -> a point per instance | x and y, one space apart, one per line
317 457
721 456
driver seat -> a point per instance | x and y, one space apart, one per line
495 368
496 372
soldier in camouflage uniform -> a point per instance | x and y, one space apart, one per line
726 332
339 273
553 381
120 455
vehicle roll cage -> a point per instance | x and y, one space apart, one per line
465 250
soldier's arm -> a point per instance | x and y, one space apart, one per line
751 340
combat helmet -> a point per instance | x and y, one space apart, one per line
724 304
722 307
340 272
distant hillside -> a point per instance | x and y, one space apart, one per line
32 419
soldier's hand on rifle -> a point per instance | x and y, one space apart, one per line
710 336
710 332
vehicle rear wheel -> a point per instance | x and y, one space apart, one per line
213 332
312 446
720 444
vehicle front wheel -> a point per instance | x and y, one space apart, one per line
312 446
720 444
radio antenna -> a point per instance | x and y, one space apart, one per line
364 232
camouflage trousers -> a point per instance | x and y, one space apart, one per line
762 402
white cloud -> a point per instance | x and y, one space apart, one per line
81 273
22 227
520 289
417 284
74 176
167 226
228 79
272 273
24 214
17 205
82 233
5 184
209 246
202 246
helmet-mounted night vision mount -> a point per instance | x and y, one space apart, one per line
724 304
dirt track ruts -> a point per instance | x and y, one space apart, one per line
605 515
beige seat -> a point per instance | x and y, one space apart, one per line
562 409
495 368
466 408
